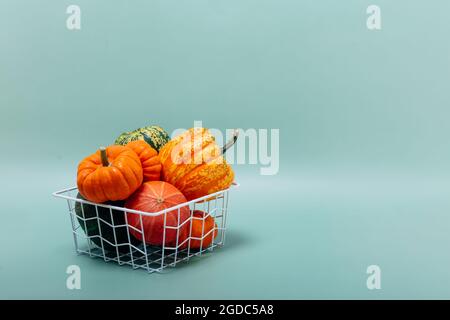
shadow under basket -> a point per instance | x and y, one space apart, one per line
102 230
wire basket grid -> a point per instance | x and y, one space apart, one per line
103 231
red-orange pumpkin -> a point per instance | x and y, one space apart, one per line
193 163
110 174
201 227
149 159
154 196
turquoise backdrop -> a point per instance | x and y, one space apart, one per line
363 119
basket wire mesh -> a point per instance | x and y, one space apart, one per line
121 247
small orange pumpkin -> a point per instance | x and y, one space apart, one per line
110 174
193 163
201 228
149 159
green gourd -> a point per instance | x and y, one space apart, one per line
155 136
91 223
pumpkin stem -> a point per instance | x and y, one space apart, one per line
104 157
231 142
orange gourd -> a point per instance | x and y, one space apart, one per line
201 228
110 174
193 163
154 196
149 159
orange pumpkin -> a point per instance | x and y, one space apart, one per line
193 163
149 159
110 174
154 196
201 228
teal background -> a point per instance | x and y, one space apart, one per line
363 119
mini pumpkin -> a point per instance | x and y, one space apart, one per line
204 230
110 174
154 196
151 166
193 163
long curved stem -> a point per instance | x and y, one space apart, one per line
231 142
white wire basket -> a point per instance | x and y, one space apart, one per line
102 231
